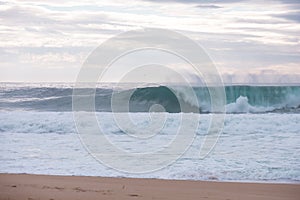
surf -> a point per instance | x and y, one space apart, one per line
239 99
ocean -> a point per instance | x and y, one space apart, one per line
259 141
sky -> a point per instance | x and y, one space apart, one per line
249 41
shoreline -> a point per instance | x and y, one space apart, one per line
54 187
294 182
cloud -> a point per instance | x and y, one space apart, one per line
197 1
293 16
3 3
208 6
290 1
236 34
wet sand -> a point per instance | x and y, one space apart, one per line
32 187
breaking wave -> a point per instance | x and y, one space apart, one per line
240 99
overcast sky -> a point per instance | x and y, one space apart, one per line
249 41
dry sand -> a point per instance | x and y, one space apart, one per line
30 187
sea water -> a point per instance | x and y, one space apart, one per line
259 142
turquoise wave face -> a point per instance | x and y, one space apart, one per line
266 96
240 99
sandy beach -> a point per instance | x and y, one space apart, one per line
30 187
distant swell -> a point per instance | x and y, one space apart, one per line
240 99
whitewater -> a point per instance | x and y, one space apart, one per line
259 142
